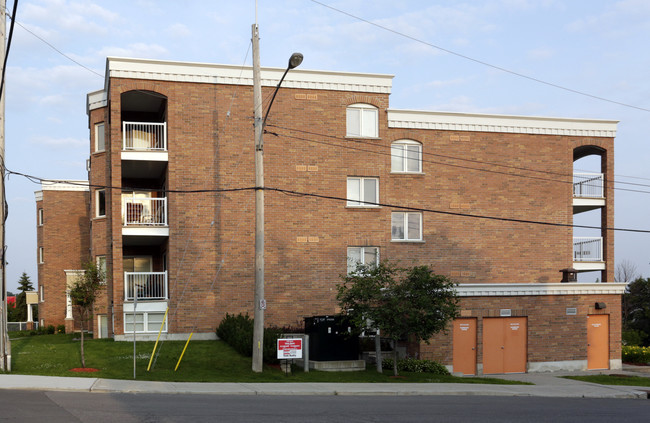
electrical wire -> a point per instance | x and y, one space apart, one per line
481 62
11 33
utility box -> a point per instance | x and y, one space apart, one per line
331 338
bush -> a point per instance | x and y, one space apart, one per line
49 329
634 354
60 329
415 366
634 337
237 331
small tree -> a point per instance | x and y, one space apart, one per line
626 271
400 302
20 311
636 309
83 294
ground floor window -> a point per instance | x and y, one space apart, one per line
147 322
368 256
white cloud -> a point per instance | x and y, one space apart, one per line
541 53
56 143
140 50
179 30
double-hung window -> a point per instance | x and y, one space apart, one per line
362 121
100 203
366 256
100 144
40 217
363 192
406 156
406 226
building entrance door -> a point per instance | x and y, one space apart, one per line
597 341
504 345
464 346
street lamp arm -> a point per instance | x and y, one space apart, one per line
294 61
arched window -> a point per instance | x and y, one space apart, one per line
406 156
362 121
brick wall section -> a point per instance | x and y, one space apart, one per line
64 237
211 243
552 334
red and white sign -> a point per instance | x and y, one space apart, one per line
289 348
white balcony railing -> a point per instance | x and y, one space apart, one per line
587 249
588 185
147 285
144 211
144 136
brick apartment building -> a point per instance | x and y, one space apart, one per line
169 211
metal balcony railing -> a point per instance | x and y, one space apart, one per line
588 185
144 211
587 249
147 286
144 136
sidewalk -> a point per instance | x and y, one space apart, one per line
545 385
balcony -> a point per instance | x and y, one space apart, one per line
144 218
588 253
149 286
588 191
144 136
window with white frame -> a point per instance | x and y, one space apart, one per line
362 121
366 256
100 144
406 156
363 192
101 266
147 322
100 203
42 292
406 226
40 217
41 259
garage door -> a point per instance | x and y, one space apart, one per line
504 345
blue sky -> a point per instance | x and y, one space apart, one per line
596 47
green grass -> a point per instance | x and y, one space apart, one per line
204 361
614 380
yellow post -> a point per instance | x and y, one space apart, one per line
183 353
162 325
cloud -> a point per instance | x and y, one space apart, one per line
141 50
57 143
179 30
541 53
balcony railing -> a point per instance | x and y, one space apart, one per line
144 136
587 249
147 285
144 211
588 185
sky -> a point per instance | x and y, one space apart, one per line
437 51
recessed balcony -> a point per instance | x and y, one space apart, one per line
588 254
144 149
144 216
148 286
588 191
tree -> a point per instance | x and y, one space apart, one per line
636 309
20 312
83 294
626 271
411 302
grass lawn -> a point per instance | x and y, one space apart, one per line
614 380
204 361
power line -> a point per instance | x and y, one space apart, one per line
481 62
359 141
11 33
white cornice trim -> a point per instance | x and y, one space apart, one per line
96 100
525 289
451 121
64 185
38 195
118 67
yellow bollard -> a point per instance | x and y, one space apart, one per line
162 325
183 353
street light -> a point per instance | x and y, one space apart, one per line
260 302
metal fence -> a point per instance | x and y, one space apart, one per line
18 326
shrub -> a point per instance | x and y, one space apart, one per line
237 331
633 337
49 329
634 354
60 329
415 366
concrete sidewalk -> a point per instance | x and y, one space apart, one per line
545 385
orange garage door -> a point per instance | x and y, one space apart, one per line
504 345
464 359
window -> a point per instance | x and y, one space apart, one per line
406 226
40 217
42 292
100 144
101 266
362 191
367 256
362 121
406 156
100 202
144 322
40 255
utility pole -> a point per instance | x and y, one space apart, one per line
260 302
5 346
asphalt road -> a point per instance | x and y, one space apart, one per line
54 407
